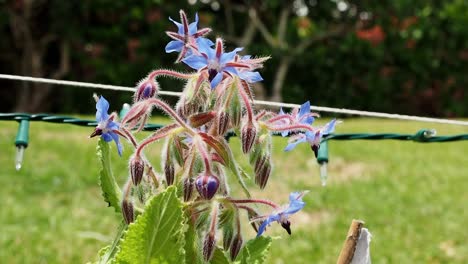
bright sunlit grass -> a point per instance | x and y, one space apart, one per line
412 196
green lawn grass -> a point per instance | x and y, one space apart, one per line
412 196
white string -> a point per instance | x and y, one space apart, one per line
257 102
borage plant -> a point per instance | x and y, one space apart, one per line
186 214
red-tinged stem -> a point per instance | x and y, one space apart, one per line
204 154
214 219
241 201
247 104
171 73
166 108
126 189
148 141
127 135
280 117
290 127
153 176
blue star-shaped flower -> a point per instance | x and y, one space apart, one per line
281 216
303 116
217 63
312 138
106 125
188 37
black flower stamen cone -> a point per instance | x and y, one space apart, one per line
287 225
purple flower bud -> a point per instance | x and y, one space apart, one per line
145 89
262 170
207 186
248 137
209 246
223 123
137 168
127 211
236 245
188 189
169 173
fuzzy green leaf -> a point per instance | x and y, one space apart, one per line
157 236
255 251
110 188
219 257
192 252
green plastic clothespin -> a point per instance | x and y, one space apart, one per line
124 110
424 135
322 159
21 142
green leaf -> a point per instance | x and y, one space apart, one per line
219 257
192 252
110 188
255 251
157 236
107 253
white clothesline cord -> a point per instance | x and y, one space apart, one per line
257 102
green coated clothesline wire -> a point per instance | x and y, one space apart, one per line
422 136
22 138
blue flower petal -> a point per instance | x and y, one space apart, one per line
216 80
195 62
193 26
271 218
330 127
227 57
180 27
102 107
295 203
204 41
115 137
308 120
292 145
305 109
174 46
112 125
107 137
205 48
250 77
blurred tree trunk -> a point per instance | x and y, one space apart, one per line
26 21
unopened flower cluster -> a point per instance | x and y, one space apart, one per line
217 99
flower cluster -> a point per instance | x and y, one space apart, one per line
217 99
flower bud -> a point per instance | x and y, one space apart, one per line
236 245
223 123
137 168
262 170
188 189
169 173
145 89
207 186
209 246
127 211
228 234
248 136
